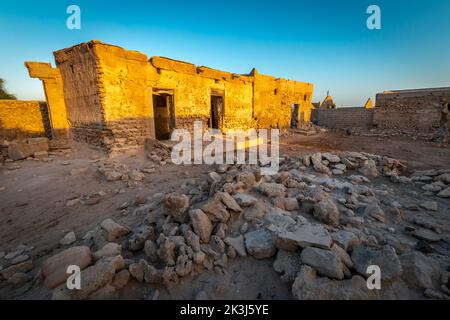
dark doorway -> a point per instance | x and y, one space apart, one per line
215 121
163 110
294 116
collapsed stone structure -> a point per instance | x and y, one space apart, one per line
115 98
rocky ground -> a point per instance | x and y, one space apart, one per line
140 227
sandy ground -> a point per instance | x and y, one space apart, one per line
33 208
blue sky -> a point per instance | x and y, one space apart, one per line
323 42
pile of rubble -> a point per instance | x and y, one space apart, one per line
323 219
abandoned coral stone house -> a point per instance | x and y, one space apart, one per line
115 98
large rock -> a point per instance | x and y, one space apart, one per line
113 229
92 279
307 286
238 244
228 201
316 160
347 240
201 224
138 238
326 211
216 211
143 271
444 193
272 189
330 157
110 249
384 257
373 210
369 169
177 206
18 150
444 178
420 271
430 205
288 264
325 262
244 200
259 244
16 268
303 235
54 269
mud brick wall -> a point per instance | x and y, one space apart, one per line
109 91
344 118
23 119
410 111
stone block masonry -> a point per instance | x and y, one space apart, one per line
344 118
416 111
23 119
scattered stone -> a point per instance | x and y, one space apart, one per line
20 267
20 258
110 249
272 189
345 239
444 193
18 279
151 251
287 263
244 200
69 238
54 269
326 211
316 160
201 224
216 211
373 210
303 235
72 202
238 244
358 179
384 257
307 286
331 157
228 201
11 255
426 235
420 271
136 175
430 205
291 204
114 229
177 206
143 271
137 240
327 263
259 244
369 169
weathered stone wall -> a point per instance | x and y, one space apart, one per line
54 94
81 94
410 111
273 100
23 119
344 118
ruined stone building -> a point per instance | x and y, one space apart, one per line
114 98
412 111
